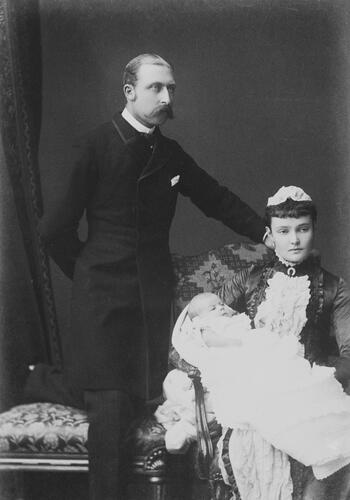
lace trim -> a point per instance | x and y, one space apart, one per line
310 334
284 261
284 310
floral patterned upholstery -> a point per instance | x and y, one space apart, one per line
43 428
207 271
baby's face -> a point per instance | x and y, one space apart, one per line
211 306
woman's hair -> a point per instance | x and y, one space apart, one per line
290 208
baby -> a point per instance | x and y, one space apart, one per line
210 315
220 330
214 325
256 379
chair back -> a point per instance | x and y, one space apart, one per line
207 271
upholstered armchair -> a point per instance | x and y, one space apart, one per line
43 436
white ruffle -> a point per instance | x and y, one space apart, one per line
284 309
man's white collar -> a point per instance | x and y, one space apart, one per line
135 123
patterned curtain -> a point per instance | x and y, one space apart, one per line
20 108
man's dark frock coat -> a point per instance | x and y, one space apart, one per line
122 274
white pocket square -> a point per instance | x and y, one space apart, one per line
174 180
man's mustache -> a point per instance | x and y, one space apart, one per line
168 109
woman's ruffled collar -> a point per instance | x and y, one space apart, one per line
283 311
309 268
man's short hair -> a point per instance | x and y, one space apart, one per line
131 69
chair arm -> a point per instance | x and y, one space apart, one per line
205 450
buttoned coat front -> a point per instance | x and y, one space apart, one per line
122 274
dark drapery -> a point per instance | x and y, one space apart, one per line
20 88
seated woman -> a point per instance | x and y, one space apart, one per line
290 219
292 296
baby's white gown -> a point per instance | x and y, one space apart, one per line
269 394
268 386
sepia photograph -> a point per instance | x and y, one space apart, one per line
174 250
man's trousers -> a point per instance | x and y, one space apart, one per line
110 413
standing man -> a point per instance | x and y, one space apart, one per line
127 181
